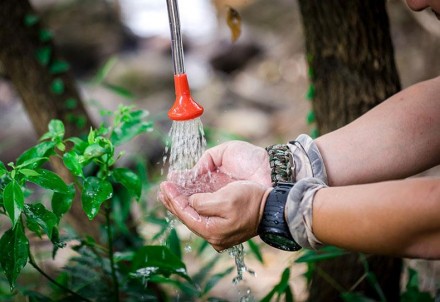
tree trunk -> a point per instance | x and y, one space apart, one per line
352 69
46 86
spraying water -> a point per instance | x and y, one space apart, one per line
186 147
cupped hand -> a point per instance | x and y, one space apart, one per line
237 159
225 218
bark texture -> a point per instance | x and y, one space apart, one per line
352 69
350 51
29 58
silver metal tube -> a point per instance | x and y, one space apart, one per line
176 37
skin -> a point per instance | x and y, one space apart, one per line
403 221
396 139
407 121
418 5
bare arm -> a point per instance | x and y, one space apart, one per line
396 139
396 217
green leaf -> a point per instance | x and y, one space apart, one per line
30 20
14 247
284 282
43 55
72 162
355 297
203 272
3 169
270 295
129 180
57 86
280 288
158 260
36 297
28 172
121 91
288 295
311 117
13 200
94 151
56 128
91 137
325 253
128 130
49 180
255 250
58 67
79 145
36 156
95 192
45 35
310 73
310 94
188 289
314 133
173 243
215 279
38 214
61 146
71 103
105 70
62 202
202 247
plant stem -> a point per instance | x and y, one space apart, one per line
108 210
330 280
34 265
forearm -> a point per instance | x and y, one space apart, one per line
396 139
395 218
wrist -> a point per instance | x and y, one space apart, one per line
307 158
273 228
299 212
296 160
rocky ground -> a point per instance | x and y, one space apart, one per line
253 90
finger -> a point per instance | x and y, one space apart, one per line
208 204
173 193
211 160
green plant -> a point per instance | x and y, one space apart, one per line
99 271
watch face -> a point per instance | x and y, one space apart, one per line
280 242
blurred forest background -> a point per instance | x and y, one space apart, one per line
252 89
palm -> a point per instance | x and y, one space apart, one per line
238 160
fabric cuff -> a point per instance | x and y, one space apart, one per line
299 212
306 158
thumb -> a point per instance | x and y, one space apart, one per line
207 204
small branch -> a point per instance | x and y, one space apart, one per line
108 210
34 265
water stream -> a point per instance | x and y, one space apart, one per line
186 146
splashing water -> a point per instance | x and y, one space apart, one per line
237 252
186 146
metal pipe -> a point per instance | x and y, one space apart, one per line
176 37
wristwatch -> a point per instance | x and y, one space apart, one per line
273 228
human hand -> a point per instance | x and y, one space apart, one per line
226 217
238 160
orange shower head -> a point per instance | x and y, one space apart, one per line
184 108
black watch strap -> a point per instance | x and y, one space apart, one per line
273 228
